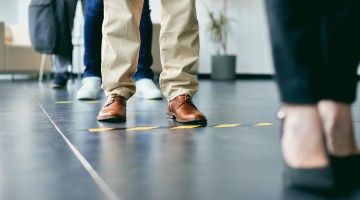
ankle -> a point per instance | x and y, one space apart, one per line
340 139
337 124
302 143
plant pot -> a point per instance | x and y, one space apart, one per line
223 67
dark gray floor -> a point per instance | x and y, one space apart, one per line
48 152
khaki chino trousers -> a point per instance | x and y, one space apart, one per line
179 47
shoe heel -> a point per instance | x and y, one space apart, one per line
346 170
313 179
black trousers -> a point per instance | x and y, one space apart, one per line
316 48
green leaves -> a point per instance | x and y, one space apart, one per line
218 27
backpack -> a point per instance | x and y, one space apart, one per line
43 26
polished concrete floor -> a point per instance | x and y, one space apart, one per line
52 147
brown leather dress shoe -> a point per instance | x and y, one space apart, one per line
114 109
182 109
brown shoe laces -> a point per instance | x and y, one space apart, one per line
185 98
114 97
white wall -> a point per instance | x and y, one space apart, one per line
14 11
248 38
8 11
23 11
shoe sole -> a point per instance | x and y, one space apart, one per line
202 122
112 119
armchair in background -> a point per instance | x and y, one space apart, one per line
16 54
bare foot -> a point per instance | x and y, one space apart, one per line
303 145
337 123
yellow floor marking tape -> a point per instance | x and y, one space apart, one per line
264 124
147 128
63 102
227 126
186 127
142 128
94 130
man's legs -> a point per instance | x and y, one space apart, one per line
179 47
120 45
179 50
120 48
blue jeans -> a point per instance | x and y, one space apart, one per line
94 15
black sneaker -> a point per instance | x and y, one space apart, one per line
60 80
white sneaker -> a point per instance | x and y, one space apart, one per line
146 89
90 89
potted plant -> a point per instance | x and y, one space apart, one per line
223 65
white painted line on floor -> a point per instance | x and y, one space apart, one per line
104 187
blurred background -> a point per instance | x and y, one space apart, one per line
248 34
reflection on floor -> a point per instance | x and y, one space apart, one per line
52 147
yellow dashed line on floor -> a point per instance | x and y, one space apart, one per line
227 125
142 128
148 128
264 124
185 127
63 102
94 130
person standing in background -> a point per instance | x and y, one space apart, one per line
91 83
63 58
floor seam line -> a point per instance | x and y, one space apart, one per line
103 186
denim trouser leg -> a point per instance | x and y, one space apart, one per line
145 58
93 22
